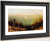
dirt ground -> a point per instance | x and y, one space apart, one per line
13 28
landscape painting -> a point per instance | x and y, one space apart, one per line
25 19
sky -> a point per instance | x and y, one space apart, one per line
25 11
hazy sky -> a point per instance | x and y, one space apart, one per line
25 11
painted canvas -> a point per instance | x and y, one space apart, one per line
25 19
